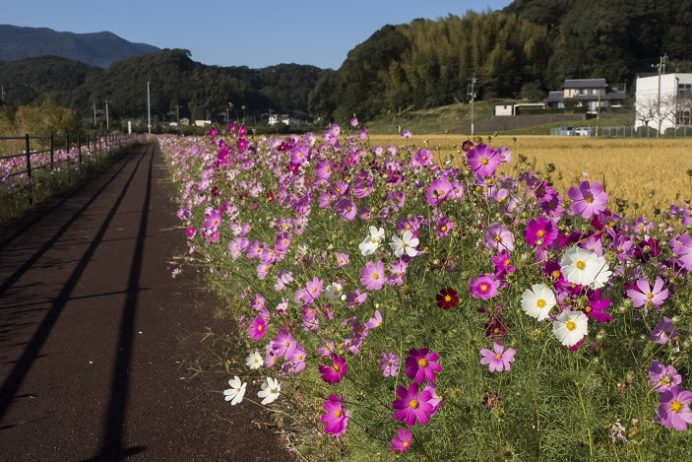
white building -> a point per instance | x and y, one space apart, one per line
592 94
675 101
283 119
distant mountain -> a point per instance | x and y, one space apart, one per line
96 49
178 85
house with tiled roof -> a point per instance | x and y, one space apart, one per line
591 94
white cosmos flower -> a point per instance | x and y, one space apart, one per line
405 245
254 360
570 327
271 389
236 392
372 241
584 267
538 301
333 291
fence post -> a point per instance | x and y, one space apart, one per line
52 150
28 155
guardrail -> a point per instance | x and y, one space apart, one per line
91 145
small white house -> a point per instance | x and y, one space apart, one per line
202 123
504 109
284 119
672 109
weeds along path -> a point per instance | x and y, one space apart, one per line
93 334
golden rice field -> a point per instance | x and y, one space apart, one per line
650 173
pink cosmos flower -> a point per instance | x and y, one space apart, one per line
502 264
354 122
588 199
342 259
405 133
283 345
643 294
499 359
674 409
346 209
484 287
663 378
412 405
663 331
597 306
422 365
443 226
438 190
389 364
336 417
435 400
682 248
190 232
375 321
372 276
483 160
334 372
402 441
356 298
498 237
258 328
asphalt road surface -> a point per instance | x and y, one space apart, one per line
94 333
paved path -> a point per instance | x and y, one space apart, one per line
90 333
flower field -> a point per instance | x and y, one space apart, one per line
395 308
648 172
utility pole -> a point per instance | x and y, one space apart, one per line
661 70
148 109
94 115
2 92
472 94
598 113
107 123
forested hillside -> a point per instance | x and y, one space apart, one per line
521 52
177 82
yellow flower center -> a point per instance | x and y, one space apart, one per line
405 444
375 276
676 406
587 309
287 343
540 233
498 238
484 287
337 413
443 228
413 404
571 325
665 380
336 367
555 274
588 199
649 295
580 264
448 298
496 330
408 226
260 327
422 362
498 356
540 303
484 160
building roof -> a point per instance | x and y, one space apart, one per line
584 83
555 97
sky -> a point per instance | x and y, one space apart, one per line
252 33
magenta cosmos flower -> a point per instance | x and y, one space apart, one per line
540 233
484 287
422 365
483 160
587 199
498 237
412 405
335 418
334 372
499 359
402 441
597 306
643 294
674 409
258 328
372 275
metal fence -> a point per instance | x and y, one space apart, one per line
89 145
626 132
